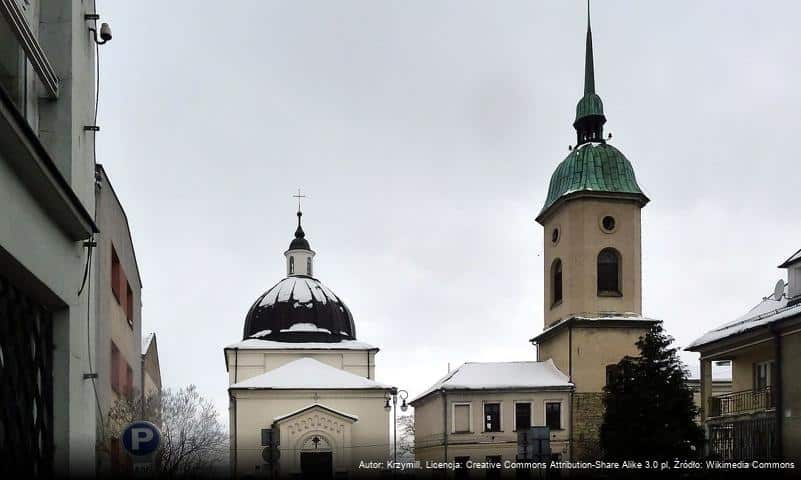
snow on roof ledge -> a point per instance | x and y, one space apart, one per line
308 374
597 317
353 417
258 344
502 376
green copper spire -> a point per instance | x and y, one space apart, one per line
590 109
589 68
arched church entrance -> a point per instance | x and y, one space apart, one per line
316 457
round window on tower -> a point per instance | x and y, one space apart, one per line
556 235
608 224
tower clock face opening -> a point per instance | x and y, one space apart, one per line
608 223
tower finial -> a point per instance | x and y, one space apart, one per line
299 232
589 68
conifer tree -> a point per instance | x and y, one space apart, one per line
650 413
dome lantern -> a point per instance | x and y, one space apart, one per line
299 256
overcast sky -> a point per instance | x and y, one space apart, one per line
425 133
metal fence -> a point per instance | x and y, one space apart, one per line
26 384
749 439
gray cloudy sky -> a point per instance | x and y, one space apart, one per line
425 133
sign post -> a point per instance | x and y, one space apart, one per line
141 439
534 445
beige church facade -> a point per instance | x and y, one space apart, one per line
302 389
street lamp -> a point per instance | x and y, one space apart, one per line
395 393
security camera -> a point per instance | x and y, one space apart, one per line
105 32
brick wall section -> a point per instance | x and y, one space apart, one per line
588 414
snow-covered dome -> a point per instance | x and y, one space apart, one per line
299 309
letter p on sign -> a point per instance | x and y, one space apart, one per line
141 438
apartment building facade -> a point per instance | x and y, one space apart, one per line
47 96
761 417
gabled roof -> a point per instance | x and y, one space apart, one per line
502 376
794 258
308 374
768 311
146 341
317 406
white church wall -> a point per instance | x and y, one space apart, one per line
365 439
249 363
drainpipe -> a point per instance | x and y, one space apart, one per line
142 384
777 387
572 393
445 424
236 430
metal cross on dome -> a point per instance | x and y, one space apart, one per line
299 196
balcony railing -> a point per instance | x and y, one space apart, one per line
741 402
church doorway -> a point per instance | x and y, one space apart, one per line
316 458
316 464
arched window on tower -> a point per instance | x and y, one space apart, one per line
291 265
556 282
309 267
609 272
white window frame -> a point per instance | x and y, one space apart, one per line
561 403
469 416
530 413
484 416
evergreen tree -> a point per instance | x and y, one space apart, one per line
650 413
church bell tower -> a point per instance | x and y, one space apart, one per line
592 264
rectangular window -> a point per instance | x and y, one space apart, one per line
129 304
115 368
13 66
116 271
612 372
461 418
762 375
128 381
463 471
492 417
494 466
553 415
522 416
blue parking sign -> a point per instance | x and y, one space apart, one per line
141 438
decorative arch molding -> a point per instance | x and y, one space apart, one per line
315 442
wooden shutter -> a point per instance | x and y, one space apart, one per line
461 418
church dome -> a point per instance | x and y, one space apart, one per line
593 168
299 309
